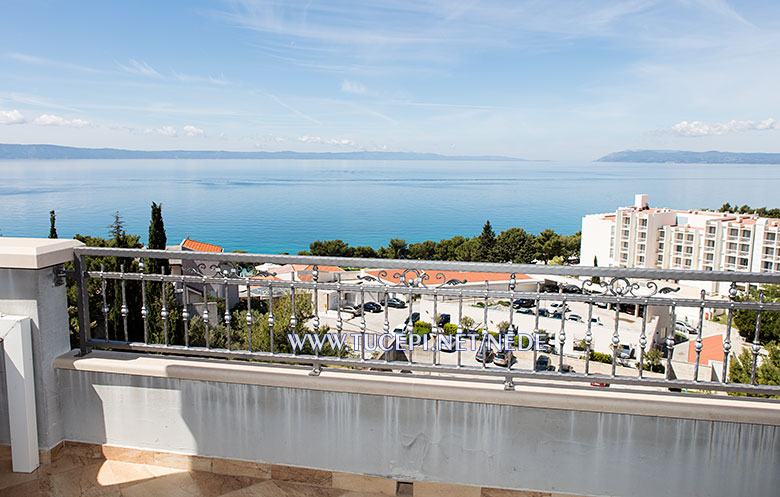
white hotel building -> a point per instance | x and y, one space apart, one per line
649 237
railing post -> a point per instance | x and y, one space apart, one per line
82 300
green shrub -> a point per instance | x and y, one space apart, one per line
450 329
600 357
421 328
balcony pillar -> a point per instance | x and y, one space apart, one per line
30 287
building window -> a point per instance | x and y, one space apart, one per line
731 260
689 238
708 257
643 223
688 250
770 237
641 259
732 246
711 230
733 232
679 237
768 266
710 244
743 262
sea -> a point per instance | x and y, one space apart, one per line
275 206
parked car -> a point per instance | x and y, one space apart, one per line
557 315
596 320
443 319
574 317
415 318
684 327
352 309
567 368
395 303
626 352
523 303
526 310
598 383
542 363
484 354
503 358
570 289
372 307
556 307
547 347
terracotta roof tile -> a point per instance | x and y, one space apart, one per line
200 246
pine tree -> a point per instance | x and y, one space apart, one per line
52 221
486 244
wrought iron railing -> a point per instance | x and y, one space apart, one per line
204 273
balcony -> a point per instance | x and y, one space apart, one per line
158 382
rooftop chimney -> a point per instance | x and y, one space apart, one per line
640 201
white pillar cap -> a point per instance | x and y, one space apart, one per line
35 253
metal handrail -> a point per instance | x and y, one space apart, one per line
642 287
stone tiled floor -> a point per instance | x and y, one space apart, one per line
74 474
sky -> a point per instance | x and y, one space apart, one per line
544 79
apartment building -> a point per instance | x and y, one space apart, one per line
649 237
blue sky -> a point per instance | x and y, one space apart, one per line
560 80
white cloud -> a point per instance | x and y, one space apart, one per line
11 117
322 141
166 131
699 128
54 120
190 130
140 68
348 86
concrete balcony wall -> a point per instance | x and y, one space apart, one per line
584 441
5 435
28 287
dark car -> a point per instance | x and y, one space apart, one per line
484 354
352 309
395 303
372 307
523 303
443 319
567 368
542 363
415 318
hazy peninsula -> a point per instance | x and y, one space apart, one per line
686 157
17 151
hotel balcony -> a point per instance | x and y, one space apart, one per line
148 402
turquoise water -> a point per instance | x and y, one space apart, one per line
283 205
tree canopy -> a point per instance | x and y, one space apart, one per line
512 245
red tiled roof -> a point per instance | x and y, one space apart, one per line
712 349
393 276
200 246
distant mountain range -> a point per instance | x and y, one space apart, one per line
685 157
14 151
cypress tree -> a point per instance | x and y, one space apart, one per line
157 238
52 221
